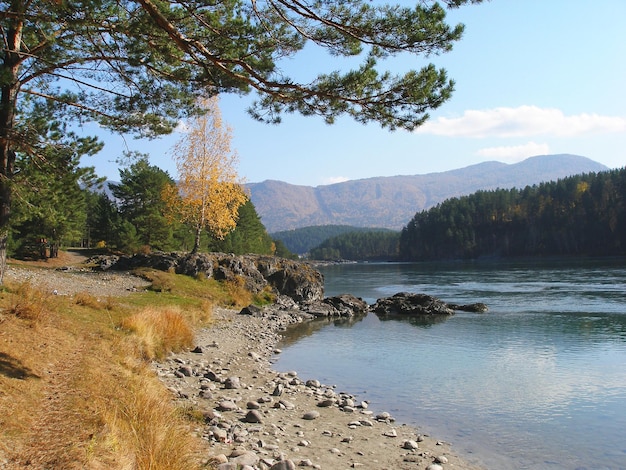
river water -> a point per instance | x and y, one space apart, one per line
538 382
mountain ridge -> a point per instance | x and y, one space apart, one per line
391 201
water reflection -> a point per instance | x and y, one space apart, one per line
302 330
420 321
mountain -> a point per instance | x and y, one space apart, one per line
391 201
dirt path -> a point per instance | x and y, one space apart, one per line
54 440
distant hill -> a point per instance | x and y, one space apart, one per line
302 240
390 202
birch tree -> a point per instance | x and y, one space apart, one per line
209 193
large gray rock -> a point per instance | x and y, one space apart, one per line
345 305
404 303
295 279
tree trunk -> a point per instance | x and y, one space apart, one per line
7 163
9 70
196 243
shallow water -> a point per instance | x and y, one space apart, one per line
538 382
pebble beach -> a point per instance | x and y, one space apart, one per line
259 418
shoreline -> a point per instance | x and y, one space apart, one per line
257 416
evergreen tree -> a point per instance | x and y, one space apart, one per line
51 186
249 236
140 203
103 221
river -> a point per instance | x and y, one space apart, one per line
538 382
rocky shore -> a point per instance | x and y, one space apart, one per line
258 418
254 417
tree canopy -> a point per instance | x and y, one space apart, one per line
139 66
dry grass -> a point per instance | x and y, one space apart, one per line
29 303
146 430
158 331
77 392
237 292
87 300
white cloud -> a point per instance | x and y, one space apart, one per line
523 121
514 153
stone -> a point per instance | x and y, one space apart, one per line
227 405
219 458
253 405
232 383
404 303
219 434
284 465
434 466
410 445
254 356
253 416
326 403
441 459
347 305
212 376
292 278
187 371
250 310
247 458
311 415
478 307
286 404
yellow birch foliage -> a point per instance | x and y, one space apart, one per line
209 193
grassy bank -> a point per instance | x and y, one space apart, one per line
76 387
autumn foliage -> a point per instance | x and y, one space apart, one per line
208 194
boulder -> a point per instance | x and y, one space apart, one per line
341 306
404 303
295 279
478 307
347 305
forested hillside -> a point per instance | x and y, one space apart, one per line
579 215
359 246
302 240
390 202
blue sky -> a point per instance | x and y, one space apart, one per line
533 77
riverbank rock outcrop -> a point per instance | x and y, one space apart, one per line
294 279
